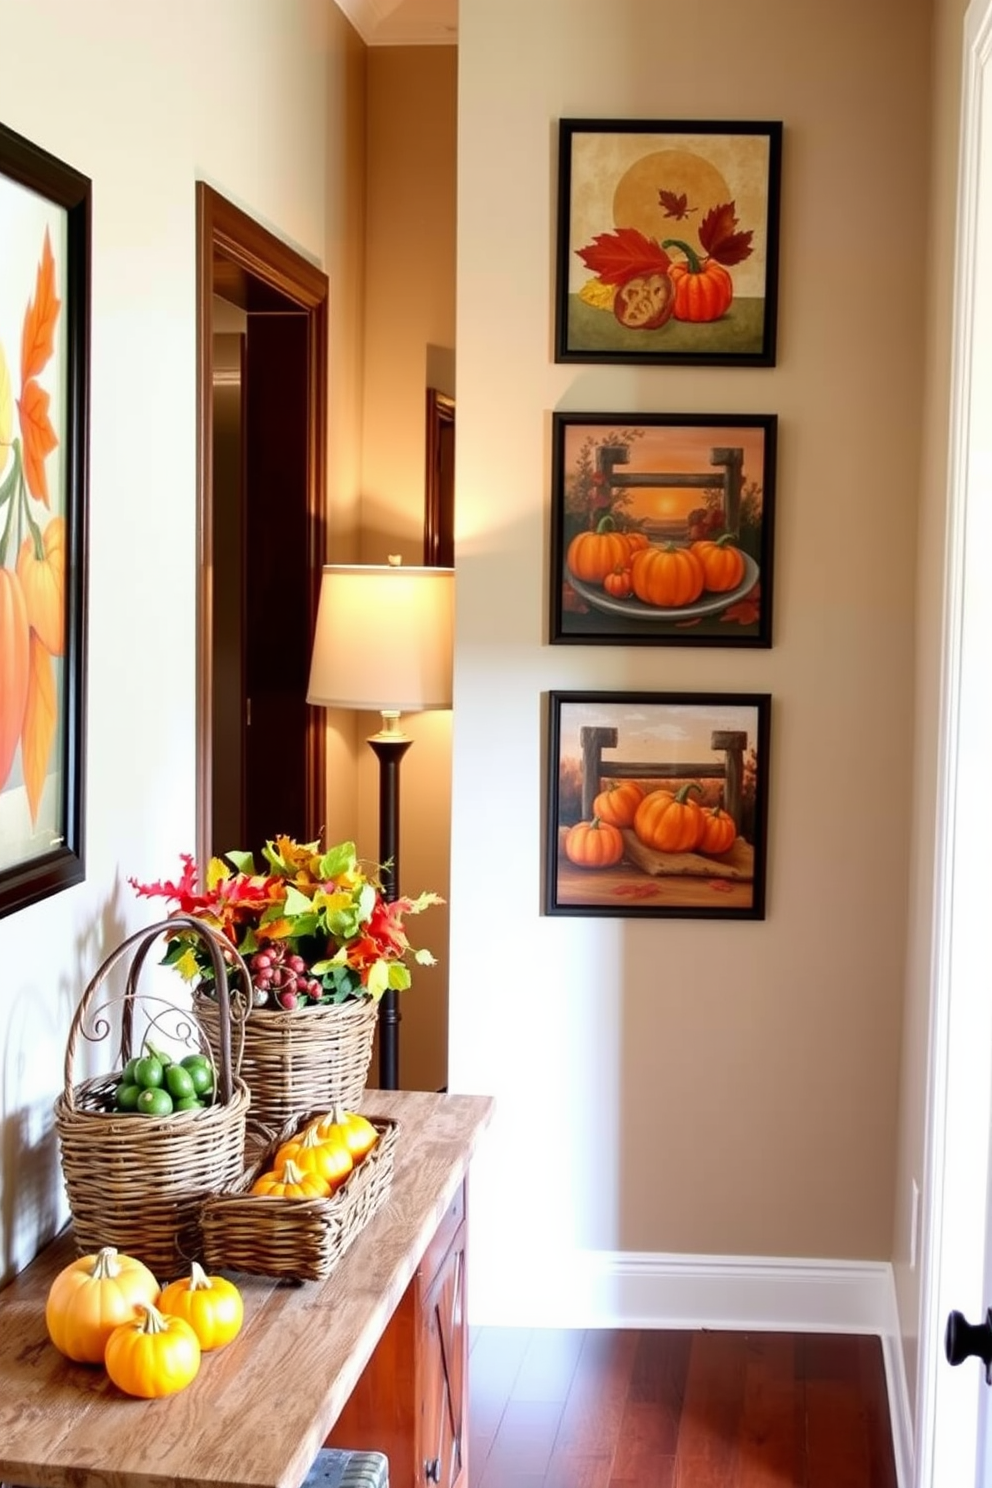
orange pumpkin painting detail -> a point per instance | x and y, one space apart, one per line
32 549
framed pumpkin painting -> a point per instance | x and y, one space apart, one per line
661 529
44 359
667 245
657 804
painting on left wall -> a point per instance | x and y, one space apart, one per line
45 211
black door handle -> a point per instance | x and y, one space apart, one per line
964 1340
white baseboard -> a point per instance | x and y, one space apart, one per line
608 1289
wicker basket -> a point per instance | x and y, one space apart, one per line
296 1239
138 1182
308 1059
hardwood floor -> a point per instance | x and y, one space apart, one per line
665 1409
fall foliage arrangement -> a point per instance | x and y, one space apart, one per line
32 547
313 926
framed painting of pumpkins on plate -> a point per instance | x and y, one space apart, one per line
667 241
661 529
44 356
657 804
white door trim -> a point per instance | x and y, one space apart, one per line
959 1094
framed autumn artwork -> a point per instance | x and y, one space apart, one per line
667 241
661 529
657 804
44 357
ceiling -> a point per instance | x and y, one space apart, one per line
403 22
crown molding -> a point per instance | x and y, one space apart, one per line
372 19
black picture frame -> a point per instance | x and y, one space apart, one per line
668 241
667 482
618 764
44 357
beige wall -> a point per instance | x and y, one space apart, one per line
146 99
700 1087
409 331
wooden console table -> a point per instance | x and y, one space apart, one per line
259 1410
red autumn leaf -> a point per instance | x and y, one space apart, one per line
39 436
719 236
635 891
675 206
38 333
617 257
747 609
38 729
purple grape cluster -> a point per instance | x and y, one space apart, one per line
283 977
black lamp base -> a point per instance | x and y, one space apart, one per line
389 748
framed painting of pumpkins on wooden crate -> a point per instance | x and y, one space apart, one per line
661 529
657 804
667 241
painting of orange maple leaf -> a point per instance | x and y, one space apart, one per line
38 332
38 729
39 437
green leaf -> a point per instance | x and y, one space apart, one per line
337 860
296 903
243 862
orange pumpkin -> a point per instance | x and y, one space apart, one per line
703 288
668 577
617 582
669 823
617 804
593 555
594 844
719 832
723 565
15 654
42 577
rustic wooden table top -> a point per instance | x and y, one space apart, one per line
259 1409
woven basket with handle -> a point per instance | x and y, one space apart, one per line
305 1059
138 1182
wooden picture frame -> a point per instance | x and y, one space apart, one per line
671 485
657 804
45 207
439 481
667 241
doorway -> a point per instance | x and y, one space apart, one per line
261 458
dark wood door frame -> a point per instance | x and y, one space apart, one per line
245 263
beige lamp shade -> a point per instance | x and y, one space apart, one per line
383 638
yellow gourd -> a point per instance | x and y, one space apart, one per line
211 1305
153 1355
90 1297
290 1182
310 1152
357 1132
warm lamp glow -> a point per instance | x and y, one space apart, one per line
383 638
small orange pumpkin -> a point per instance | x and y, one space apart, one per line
617 804
669 823
723 565
617 582
42 577
703 288
719 832
667 577
594 844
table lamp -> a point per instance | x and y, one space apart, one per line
382 643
